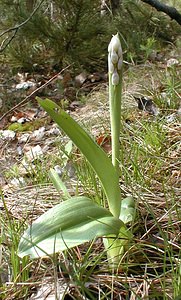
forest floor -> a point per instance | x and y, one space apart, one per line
150 161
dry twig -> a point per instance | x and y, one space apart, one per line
15 29
28 98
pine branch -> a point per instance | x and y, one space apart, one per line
15 29
172 12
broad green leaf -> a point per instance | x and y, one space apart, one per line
97 158
69 224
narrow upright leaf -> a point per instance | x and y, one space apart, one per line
97 158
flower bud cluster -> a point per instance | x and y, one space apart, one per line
115 59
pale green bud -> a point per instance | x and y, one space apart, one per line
120 63
120 51
115 78
109 47
111 66
114 57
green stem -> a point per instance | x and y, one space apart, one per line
115 115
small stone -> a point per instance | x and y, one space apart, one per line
19 151
8 135
25 85
22 120
24 138
53 131
171 118
58 170
80 79
172 62
38 134
34 153
17 181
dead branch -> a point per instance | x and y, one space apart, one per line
28 98
15 29
172 12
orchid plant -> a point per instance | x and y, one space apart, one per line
79 219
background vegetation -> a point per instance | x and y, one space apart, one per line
64 32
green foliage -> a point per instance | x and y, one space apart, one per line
149 47
20 127
64 32
58 34
143 29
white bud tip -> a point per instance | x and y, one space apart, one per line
114 44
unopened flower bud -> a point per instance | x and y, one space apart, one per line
114 43
115 78
114 57
111 66
120 51
120 63
109 47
